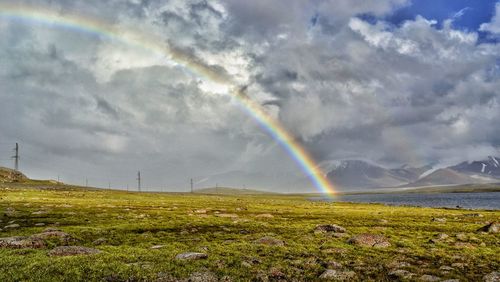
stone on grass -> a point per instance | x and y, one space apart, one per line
370 240
401 274
12 226
429 278
265 215
334 265
39 224
493 227
204 276
338 275
440 220
156 247
20 242
227 215
323 228
191 256
52 233
492 277
270 241
99 241
72 251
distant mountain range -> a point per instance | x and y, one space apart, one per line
358 174
350 175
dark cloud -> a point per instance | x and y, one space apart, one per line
345 87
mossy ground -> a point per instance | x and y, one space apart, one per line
131 223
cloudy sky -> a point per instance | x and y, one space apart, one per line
390 81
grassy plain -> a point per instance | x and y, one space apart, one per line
125 226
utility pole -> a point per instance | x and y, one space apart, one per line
192 186
16 157
139 181
86 182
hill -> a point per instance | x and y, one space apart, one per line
8 175
229 191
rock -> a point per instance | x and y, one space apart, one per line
442 236
493 227
462 237
227 215
246 264
40 224
440 220
12 226
191 256
334 265
156 247
429 278
276 273
39 212
459 265
383 221
401 274
51 233
323 228
338 275
463 245
473 215
20 242
397 264
370 240
99 241
205 276
446 268
265 215
72 251
202 211
492 277
270 241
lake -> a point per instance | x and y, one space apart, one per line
487 200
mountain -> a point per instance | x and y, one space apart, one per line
8 175
411 173
362 174
450 176
489 167
358 174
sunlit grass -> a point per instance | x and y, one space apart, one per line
131 223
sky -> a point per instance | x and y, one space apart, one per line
391 81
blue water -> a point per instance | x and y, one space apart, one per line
488 201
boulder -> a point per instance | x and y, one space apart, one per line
205 276
493 227
370 240
492 277
323 228
429 278
72 251
21 242
12 226
270 241
191 256
265 215
401 274
338 275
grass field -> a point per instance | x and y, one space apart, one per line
125 226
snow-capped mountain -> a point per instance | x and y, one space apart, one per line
361 174
490 167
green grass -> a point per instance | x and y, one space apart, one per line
131 223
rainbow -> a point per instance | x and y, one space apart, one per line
272 126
